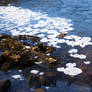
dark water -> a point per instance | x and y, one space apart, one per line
74 16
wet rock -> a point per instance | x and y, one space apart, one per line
39 90
6 53
15 58
34 39
50 59
27 58
6 66
43 48
3 36
23 37
28 37
5 85
62 35
11 44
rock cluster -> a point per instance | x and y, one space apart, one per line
21 51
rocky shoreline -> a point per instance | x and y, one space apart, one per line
17 53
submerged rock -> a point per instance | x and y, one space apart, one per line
5 85
39 90
50 60
42 48
62 35
28 37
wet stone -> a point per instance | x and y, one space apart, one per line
5 85
43 48
62 35
28 37
34 39
51 60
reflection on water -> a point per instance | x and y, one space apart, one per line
47 19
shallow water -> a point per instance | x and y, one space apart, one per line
47 19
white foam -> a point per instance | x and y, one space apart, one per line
41 73
87 62
70 69
39 62
80 56
78 41
17 77
20 70
34 71
73 51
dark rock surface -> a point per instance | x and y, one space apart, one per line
4 85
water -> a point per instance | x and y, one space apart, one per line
47 19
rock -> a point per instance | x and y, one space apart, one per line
15 58
28 37
4 85
42 48
39 90
23 37
6 66
62 35
34 39
6 53
50 59
20 54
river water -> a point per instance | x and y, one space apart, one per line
47 19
